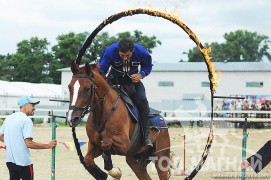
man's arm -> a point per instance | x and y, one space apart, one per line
105 62
2 137
34 145
145 63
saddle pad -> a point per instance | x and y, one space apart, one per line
156 120
133 112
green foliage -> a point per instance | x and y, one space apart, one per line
38 121
31 61
239 46
6 68
103 40
65 51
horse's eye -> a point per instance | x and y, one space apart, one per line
87 89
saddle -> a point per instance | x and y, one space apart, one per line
156 121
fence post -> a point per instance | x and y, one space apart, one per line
244 146
49 115
54 149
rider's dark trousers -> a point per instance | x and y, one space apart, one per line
140 94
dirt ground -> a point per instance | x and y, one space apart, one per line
223 161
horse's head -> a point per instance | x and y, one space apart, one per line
82 91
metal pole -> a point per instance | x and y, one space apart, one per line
183 173
184 154
227 97
53 150
59 100
244 145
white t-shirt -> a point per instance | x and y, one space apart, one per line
16 128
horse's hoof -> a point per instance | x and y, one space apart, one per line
115 172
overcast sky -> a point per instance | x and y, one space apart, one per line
208 19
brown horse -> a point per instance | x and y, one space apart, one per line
110 126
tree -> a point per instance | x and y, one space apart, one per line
240 46
103 40
31 61
65 51
68 46
6 68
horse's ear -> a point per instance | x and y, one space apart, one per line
95 67
74 67
88 69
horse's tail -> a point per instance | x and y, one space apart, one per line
96 172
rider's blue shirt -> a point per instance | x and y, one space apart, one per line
140 57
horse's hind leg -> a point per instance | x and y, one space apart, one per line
163 155
139 170
162 167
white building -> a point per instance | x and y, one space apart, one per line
10 92
171 81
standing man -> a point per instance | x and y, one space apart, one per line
17 134
124 58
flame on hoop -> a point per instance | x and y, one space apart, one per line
214 76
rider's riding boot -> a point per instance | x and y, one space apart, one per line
144 115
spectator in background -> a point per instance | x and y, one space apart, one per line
254 103
225 105
267 107
232 107
263 109
238 106
217 106
246 105
17 134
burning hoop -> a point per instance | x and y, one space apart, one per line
204 51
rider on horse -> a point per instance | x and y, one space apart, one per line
124 57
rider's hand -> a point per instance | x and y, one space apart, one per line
136 78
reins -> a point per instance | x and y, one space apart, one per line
99 130
90 108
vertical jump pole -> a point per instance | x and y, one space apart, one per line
54 148
244 145
184 154
183 172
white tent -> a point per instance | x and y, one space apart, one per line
11 91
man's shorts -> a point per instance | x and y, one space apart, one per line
17 172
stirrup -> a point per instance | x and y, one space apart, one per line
148 143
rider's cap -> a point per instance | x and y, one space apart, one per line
27 100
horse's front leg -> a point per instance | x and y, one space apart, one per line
92 168
115 172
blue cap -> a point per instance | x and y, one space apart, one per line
27 100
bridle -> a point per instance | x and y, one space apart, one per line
90 108
87 108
